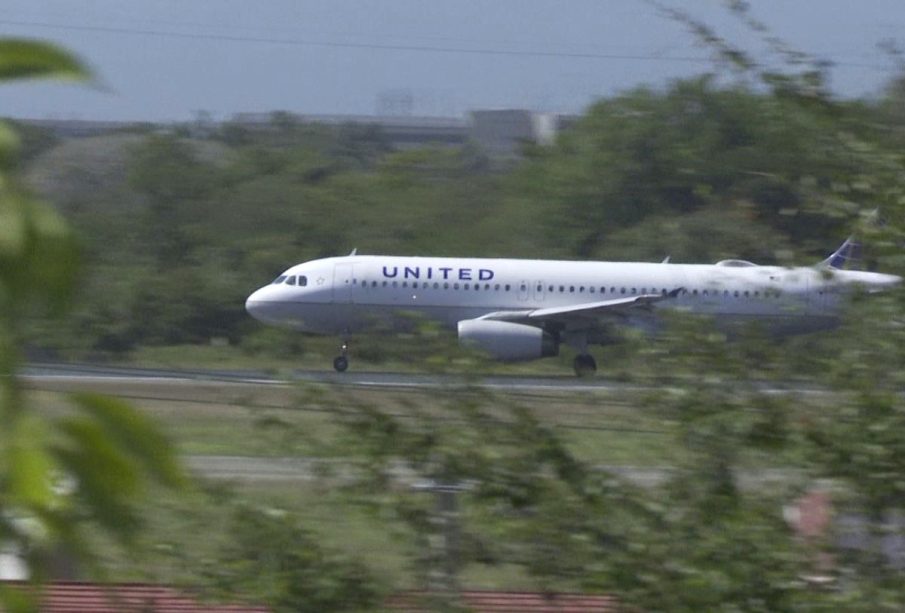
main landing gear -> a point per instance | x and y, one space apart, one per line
584 365
341 362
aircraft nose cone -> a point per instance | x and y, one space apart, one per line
255 306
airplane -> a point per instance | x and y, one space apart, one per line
515 309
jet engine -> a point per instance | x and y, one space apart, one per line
507 341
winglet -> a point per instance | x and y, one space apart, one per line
847 256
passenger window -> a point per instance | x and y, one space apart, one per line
622 290
591 290
446 286
436 285
385 283
373 283
467 286
508 287
455 286
279 279
395 284
496 287
572 289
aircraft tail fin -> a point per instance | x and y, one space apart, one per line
846 257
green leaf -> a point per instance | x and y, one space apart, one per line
12 228
18 600
107 480
30 465
9 147
28 59
135 435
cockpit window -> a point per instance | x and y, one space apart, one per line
303 281
291 280
279 279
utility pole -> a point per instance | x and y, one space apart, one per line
442 546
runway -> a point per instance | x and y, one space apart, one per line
386 380
87 372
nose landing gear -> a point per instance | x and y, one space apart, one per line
341 362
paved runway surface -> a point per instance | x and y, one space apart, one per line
359 379
566 382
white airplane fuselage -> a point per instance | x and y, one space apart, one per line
573 300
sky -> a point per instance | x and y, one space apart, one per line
166 60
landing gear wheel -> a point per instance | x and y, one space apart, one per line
341 363
584 365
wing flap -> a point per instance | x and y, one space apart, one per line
595 308
582 310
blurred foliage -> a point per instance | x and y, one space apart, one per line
274 559
57 478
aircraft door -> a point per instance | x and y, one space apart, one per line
342 283
539 291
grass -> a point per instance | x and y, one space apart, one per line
223 418
186 532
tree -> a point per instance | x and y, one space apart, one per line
167 172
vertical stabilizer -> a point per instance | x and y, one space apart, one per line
846 257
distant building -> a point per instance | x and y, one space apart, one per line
78 128
500 133
402 132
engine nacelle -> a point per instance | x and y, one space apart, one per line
504 340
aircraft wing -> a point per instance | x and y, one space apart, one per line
575 313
